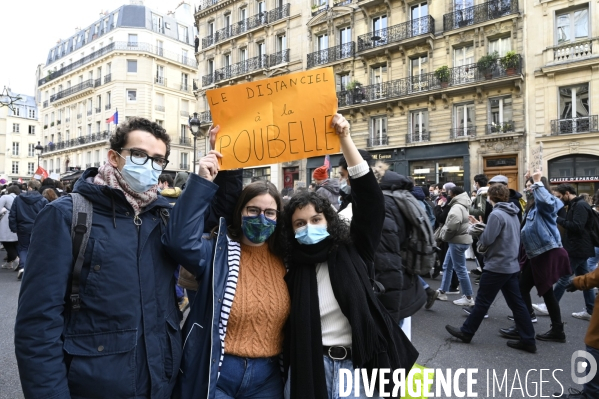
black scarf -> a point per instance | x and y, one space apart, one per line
377 342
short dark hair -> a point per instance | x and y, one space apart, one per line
498 193
165 177
251 191
563 188
14 189
119 139
365 154
456 190
481 179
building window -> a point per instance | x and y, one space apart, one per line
342 82
501 46
378 131
418 127
132 42
500 115
463 120
132 66
438 171
31 150
184 160
184 81
379 28
16 128
131 95
572 25
30 168
378 75
15 167
16 111
418 70
573 103
15 148
183 33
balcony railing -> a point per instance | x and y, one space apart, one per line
98 82
319 8
120 46
247 24
46 104
205 116
184 166
479 13
584 124
426 82
184 87
206 3
107 106
87 84
279 58
573 51
341 3
462 132
377 141
159 108
396 33
98 110
185 140
241 68
418 137
107 78
207 80
331 54
160 80
89 112
502 127
90 138
67 120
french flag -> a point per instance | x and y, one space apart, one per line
327 163
114 118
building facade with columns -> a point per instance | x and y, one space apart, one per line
19 134
562 95
132 60
408 76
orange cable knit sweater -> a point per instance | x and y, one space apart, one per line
260 307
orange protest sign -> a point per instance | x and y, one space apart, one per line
275 120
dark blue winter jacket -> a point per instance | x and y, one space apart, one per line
25 209
125 340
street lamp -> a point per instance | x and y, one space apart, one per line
38 151
194 126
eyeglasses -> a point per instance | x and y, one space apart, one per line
139 157
255 211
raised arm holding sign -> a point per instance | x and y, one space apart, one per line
275 120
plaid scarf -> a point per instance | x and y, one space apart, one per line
110 176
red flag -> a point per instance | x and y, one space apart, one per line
20 181
41 172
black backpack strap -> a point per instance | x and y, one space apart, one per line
80 229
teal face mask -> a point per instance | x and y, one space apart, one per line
257 229
140 178
311 234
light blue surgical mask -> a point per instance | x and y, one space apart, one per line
140 178
311 234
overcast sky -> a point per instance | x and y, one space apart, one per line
29 28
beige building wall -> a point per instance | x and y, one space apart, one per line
562 95
391 49
19 132
151 77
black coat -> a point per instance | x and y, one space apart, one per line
404 294
578 242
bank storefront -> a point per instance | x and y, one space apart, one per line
430 164
579 170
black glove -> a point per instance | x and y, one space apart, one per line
571 287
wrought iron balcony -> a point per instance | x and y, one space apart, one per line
87 84
160 80
207 80
241 68
107 78
98 82
479 13
462 132
319 8
107 106
426 82
89 139
573 51
341 3
89 112
206 3
205 116
207 41
584 124
279 13
98 110
418 137
331 54
502 127
184 166
377 141
396 33
67 120
159 108
279 58
185 140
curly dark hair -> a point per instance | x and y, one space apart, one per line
498 193
119 139
251 191
337 228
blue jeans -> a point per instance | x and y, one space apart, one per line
331 371
424 283
591 388
489 286
456 260
249 378
22 250
579 267
592 262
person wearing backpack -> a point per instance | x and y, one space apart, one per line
500 243
578 223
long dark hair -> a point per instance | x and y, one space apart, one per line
251 191
530 201
337 228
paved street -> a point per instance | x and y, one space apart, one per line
437 350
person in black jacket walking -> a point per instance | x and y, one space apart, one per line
21 217
577 243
